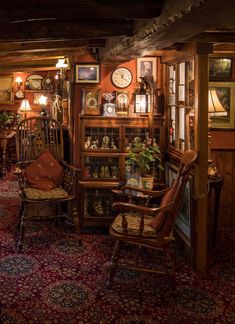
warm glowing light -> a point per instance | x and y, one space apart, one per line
215 107
43 100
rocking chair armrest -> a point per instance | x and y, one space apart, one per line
142 209
150 193
69 166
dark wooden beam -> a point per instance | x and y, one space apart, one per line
43 10
214 37
178 23
15 48
64 30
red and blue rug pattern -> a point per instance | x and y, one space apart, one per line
55 280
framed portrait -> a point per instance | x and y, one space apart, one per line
220 69
87 73
6 89
146 66
183 223
221 104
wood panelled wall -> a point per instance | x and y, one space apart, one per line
224 159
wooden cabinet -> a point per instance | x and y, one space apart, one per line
104 145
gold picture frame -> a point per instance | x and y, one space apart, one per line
87 73
6 89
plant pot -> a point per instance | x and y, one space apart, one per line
146 182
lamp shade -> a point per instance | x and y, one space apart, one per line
215 107
25 106
61 64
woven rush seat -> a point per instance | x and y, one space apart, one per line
36 194
133 221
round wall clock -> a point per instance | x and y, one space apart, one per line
121 77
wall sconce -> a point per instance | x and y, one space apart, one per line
24 107
142 99
63 66
215 108
43 103
19 82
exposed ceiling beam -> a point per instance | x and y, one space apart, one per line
177 22
43 10
64 30
16 48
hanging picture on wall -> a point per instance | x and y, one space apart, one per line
221 104
88 73
146 66
220 69
6 89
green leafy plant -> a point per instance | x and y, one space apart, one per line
144 156
8 119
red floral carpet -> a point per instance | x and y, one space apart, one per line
56 281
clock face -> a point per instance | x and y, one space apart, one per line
109 109
34 82
121 77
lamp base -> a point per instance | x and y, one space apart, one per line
212 170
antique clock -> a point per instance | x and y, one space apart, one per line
121 77
91 102
109 107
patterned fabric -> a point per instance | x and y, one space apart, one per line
45 173
133 221
36 194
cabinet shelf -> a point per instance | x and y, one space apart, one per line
103 166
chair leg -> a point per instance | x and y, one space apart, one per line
113 263
73 214
22 228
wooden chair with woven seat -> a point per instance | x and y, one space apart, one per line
148 227
45 179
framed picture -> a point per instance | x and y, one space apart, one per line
221 104
6 89
220 69
183 222
88 73
146 66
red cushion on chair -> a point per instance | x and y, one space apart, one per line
45 173
159 219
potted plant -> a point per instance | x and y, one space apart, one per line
144 158
8 120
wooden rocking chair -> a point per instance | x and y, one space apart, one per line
148 227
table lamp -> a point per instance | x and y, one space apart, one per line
25 107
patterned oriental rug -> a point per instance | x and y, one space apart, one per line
55 280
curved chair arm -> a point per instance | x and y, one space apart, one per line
142 209
71 176
150 193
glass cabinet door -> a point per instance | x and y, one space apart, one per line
101 167
101 138
180 100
